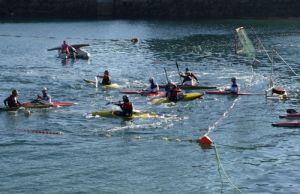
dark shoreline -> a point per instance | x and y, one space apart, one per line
66 10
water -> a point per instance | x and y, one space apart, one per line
108 155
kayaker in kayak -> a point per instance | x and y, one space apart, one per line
188 77
12 100
44 99
175 93
126 107
234 89
153 86
105 78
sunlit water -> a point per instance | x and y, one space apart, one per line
109 155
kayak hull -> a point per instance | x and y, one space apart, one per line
197 87
186 97
48 105
9 109
135 114
217 92
110 86
295 123
291 116
144 93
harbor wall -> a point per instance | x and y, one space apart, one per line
148 9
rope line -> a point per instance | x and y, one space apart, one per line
286 64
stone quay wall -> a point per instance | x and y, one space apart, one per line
147 9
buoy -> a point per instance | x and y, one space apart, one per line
205 140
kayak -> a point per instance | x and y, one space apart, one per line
290 116
186 97
217 92
9 108
293 123
110 86
144 93
136 114
52 104
196 87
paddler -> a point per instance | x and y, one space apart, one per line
12 100
154 88
234 89
105 78
175 93
44 99
188 77
126 107
168 88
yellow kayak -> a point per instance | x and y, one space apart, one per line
136 114
110 86
186 97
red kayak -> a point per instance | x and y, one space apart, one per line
294 123
144 93
47 105
291 116
217 92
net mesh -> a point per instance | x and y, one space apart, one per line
244 45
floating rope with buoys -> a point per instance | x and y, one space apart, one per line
47 132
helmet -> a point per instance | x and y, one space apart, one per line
151 79
186 69
15 93
106 72
125 97
44 90
233 79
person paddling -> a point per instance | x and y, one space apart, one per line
12 100
175 93
65 48
234 89
44 99
105 78
126 107
188 77
153 86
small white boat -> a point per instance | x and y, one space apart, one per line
75 52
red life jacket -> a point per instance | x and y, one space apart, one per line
65 48
174 92
12 102
127 107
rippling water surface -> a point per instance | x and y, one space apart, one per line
109 155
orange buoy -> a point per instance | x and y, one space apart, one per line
205 140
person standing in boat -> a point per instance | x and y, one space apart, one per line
105 78
188 78
234 89
65 48
153 86
12 100
126 107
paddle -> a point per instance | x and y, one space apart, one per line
177 65
96 78
166 74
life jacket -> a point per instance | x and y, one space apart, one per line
174 94
234 88
106 80
154 87
65 48
12 101
127 108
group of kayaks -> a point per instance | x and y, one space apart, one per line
293 119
